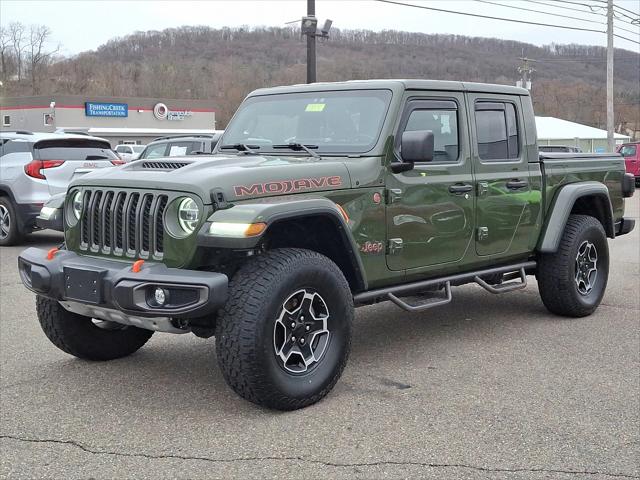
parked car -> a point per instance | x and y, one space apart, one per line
35 166
180 145
559 149
631 154
319 198
129 152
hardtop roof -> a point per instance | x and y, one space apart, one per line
396 84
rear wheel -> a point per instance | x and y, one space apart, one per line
283 338
9 231
572 280
86 338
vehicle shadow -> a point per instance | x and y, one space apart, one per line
177 374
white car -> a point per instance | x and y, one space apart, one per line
129 153
36 166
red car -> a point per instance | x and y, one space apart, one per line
631 154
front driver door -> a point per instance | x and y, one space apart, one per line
430 207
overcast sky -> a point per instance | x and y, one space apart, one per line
85 24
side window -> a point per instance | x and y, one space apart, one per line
444 125
497 131
16 146
154 151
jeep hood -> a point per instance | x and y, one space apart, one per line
238 177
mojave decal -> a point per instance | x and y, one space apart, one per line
287 186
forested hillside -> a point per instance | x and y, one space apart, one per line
225 64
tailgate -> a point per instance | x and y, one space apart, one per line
78 156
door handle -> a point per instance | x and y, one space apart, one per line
460 188
516 184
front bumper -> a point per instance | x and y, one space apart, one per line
113 285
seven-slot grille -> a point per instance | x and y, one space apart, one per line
123 223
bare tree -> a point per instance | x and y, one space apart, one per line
16 34
5 44
38 56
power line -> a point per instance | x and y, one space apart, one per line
477 15
589 6
636 14
565 8
489 17
541 12
589 11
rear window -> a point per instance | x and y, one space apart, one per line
73 150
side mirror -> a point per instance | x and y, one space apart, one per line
417 146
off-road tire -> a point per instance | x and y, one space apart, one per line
15 235
556 271
245 328
79 336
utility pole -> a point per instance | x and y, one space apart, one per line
309 27
610 114
525 70
311 43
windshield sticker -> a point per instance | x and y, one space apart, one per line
287 186
315 107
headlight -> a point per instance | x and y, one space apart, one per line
188 215
76 204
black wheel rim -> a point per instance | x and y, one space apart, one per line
5 222
586 267
300 332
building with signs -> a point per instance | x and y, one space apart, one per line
119 120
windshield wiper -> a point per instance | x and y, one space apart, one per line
241 147
296 147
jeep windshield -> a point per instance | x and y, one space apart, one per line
329 122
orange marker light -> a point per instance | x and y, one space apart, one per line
343 213
137 266
51 253
255 229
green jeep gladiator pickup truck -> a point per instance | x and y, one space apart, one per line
319 198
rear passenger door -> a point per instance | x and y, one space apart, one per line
501 174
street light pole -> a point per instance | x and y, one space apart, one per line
311 45
610 114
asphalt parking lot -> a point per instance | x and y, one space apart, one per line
486 387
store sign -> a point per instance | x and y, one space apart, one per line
98 109
162 112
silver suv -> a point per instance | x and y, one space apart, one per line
35 166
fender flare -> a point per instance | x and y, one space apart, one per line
274 212
561 208
5 190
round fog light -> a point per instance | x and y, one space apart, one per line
160 296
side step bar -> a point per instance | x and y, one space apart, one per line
430 303
517 270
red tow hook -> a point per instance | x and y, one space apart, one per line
137 266
51 253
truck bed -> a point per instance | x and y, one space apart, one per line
564 168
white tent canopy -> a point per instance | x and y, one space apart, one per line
551 128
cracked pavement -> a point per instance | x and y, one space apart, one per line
486 387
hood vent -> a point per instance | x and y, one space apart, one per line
164 165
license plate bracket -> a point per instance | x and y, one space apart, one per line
83 284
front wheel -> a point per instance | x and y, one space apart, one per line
572 280
283 338
86 338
